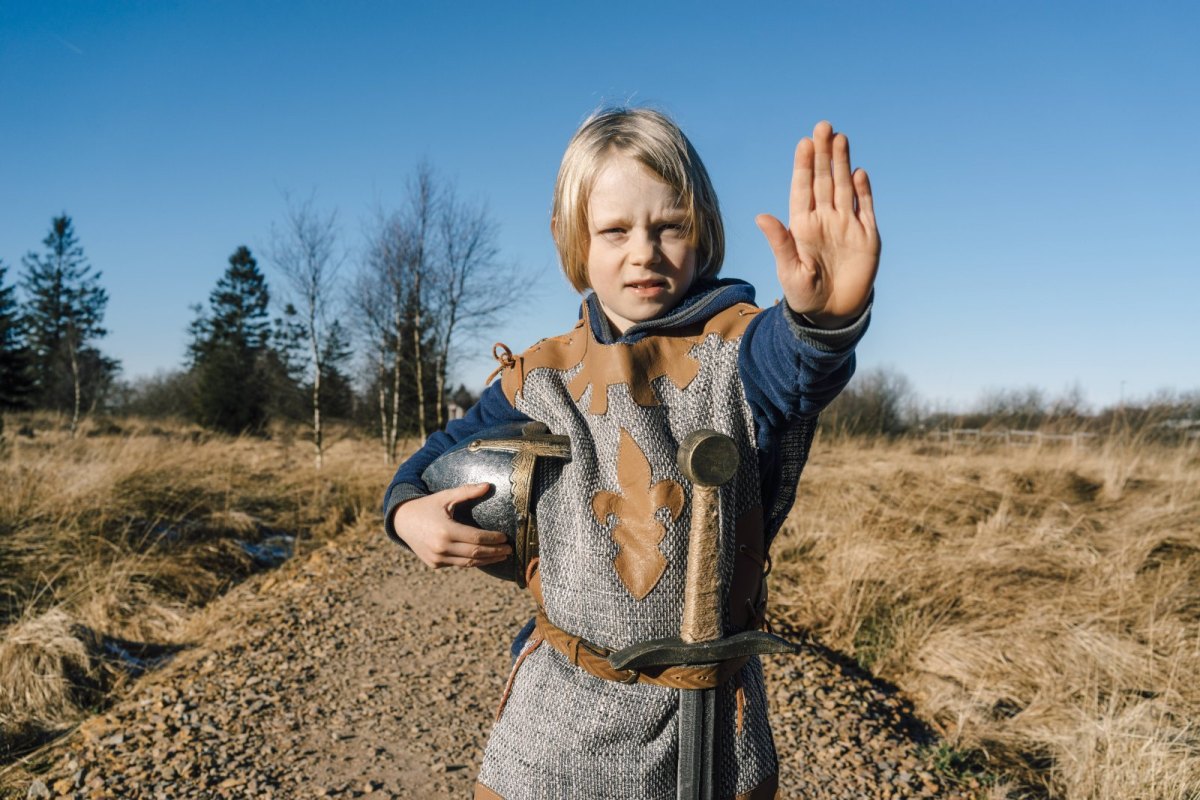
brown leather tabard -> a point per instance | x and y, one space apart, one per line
484 793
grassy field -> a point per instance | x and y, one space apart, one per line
1042 606
110 541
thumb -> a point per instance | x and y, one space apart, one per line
468 491
777 235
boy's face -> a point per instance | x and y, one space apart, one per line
640 264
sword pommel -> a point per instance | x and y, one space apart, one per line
707 458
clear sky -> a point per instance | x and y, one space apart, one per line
1035 164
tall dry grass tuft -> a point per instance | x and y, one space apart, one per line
47 673
1041 605
109 541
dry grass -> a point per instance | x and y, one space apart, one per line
116 537
1042 606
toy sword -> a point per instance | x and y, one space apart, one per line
709 460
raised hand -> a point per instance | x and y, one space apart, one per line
828 254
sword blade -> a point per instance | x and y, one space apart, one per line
697 739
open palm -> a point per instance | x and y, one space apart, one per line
828 254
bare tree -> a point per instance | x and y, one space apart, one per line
388 298
379 298
305 251
422 208
406 258
431 274
471 288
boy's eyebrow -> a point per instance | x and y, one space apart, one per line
601 221
616 217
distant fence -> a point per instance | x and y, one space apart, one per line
1013 438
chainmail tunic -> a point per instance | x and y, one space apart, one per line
564 733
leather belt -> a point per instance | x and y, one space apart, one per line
593 659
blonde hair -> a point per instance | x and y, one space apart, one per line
655 141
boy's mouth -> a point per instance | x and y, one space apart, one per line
647 287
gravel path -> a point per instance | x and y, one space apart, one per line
354 671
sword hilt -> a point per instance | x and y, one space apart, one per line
709 460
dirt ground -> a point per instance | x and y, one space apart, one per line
354 671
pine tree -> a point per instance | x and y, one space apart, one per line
285 366
229 348
337 392
237 310
64 313
288 340
16 383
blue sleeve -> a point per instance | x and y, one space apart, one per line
790 370
492 409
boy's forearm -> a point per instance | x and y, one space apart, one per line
792 369
397 495
826 322
828 336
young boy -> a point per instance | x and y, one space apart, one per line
662 349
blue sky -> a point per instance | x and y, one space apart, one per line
1035 164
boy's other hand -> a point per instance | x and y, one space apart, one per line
827 256
427 525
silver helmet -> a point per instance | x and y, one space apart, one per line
520 461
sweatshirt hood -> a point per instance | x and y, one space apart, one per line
703 300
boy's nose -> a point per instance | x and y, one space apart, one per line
644 249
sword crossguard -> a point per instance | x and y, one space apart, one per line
676 652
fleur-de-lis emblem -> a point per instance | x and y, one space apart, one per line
639 562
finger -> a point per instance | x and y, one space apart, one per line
458 532
460 561
461 494
468 491
475 551
778 238
822 179
802 174
866 202
843 187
